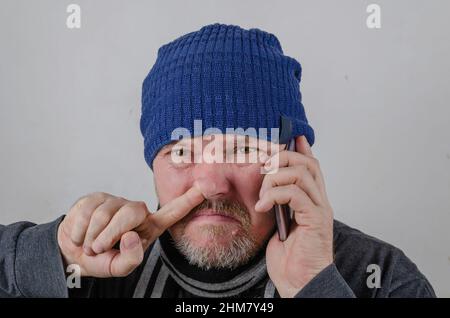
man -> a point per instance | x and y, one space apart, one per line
215 232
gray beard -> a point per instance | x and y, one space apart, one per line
218 255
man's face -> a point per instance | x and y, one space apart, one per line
224 231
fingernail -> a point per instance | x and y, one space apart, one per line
261 193
95 249
131 243
207 188
258 205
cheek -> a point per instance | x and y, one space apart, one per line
169 183
248 182
263 223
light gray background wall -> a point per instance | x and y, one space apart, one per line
378 100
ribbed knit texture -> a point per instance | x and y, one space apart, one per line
226 76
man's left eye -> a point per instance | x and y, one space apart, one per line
246 149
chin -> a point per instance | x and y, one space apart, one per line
211 235
211 243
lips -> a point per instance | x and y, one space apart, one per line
213 215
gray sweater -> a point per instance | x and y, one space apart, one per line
31 266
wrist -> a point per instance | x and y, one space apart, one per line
291 289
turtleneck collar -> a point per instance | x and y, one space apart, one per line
212 282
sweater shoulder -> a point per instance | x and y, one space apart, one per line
357 245
357 254
346 235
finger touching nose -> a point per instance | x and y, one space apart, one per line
213 186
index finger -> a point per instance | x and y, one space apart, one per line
175 210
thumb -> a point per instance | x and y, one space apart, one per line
130 256
275 253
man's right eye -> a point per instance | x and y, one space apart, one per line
180 152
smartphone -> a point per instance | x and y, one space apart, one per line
283 212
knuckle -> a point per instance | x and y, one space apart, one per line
76 242
83 216
80 203
99 195
75 239
152 220
120 198
83 200
137 206
141 207
101 216
96 196
86 199
136 209
128 208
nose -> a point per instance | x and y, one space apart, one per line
212 180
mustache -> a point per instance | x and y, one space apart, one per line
223 207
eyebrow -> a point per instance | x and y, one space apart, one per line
169 145
175 142
240 139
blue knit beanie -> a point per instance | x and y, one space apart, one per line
226 76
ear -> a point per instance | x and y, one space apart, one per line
302 146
